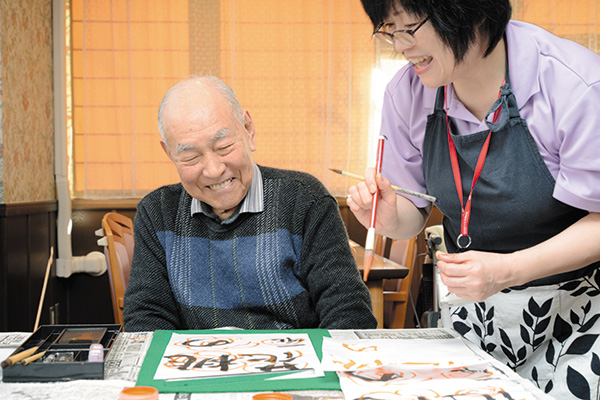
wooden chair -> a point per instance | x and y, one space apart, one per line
396 292
118 245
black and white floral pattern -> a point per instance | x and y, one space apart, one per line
547 334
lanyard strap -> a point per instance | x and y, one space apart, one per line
465 214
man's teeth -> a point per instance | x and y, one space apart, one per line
220 185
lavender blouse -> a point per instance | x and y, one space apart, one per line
557 86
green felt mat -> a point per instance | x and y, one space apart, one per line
250 383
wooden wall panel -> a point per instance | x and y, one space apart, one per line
18 293
27 231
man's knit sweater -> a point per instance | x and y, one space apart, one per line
287 267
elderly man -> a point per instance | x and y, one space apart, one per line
236 244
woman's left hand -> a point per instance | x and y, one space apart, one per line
475 275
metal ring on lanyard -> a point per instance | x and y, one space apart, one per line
460 237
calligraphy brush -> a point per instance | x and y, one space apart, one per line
39 313
33 358
31 354
21 355
394 187
370 242
41 349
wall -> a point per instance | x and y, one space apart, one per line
27 196
1 141
27 101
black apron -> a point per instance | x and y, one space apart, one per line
512 206
547 329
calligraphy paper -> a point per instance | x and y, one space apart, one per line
387 383
416 369
194 356
424 353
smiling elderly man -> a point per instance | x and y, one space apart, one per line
236 244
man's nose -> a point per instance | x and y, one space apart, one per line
213 166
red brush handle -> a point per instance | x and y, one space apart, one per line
378 171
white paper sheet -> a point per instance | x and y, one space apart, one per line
427 387
422 369
357 354
192 356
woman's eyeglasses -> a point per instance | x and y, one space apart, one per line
404 36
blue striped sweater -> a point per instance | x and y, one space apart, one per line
287 267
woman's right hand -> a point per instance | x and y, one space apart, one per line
360 202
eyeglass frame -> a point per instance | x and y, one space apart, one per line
388 37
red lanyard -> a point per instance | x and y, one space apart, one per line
465 214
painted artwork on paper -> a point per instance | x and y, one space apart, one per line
400 387
358 354
416 369
191 356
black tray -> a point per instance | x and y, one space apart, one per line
60 343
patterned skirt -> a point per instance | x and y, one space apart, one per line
547 334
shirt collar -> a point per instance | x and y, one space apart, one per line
252 203
523 65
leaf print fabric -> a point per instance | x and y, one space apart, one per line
547 334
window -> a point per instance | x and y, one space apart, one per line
126 54
311 78
303 75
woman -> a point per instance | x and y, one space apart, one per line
507 112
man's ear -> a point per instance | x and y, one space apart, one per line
166 149
249 126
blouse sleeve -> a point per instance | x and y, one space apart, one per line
578 132
406 105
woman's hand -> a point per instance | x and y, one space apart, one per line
397 216
360 202
475 275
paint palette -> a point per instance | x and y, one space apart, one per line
65 353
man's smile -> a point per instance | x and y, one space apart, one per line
219 186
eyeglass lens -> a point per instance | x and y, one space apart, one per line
406 37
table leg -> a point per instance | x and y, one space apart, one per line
376 290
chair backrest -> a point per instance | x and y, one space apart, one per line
118 230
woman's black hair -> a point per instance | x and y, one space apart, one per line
455 21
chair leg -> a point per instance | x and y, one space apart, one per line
398 317
390 312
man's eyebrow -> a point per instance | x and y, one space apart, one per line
183 147
221 133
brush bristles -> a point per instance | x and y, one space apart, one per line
367 262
